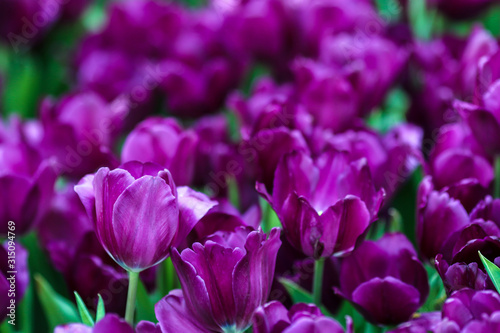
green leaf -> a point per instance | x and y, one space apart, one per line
270 219
300 295
297 293
101 311
492 270
145 306
437 293
58 310
84 312
166 279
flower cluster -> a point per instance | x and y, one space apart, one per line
236 165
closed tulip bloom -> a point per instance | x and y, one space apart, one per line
326 204
385 280
136 212
301 318
461 275
223 281
163 141
439 217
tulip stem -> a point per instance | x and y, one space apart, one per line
132 292
497 177
319 267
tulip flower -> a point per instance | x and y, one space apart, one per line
27 180
164 142
138 215
274 317
324 205
384 279
223 281
79 130
471 311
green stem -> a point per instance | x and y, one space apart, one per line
497 177
319 267
132 292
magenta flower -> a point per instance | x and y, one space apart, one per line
164 142
138 213
223 281
304 318
325 205
28 179
385 280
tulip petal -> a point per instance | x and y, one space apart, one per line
192 207
145 221
174 317
253 274
387 301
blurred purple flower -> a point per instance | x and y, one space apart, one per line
164 142
79 131
391 158
26 177
320 18
385 280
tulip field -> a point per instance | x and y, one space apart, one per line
239 166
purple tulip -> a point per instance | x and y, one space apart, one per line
223 281
448 68
461 275
12 285
391 158
274 317
110 323
269 106
364 61
139 213
319 18
28 179
326 93
469 311
79 132
63 227
384 279
263 29
164 142
325 205
267 147
439 218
